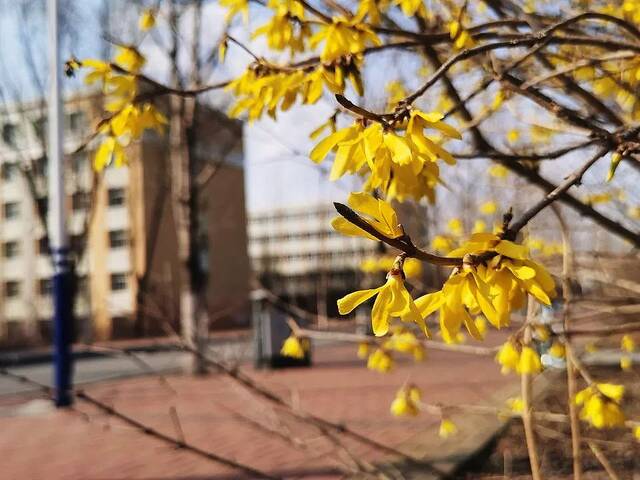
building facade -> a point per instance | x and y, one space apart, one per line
121 228
298 255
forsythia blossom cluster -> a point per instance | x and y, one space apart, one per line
295 347
524 360
601 405
128 117
407 402
265 88
286 28
492 287
400 163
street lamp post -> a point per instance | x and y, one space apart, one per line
58 238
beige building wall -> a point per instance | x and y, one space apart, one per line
132 287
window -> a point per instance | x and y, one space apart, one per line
118 281
11 288
78 242
43 246
40 127
75 121
116 197
9 171
45 287
42 205
118 238
79 162
10 134
80 201
10 249
83 285
11 210
41 167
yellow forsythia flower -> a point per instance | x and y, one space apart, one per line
455 226
442 244
378 213
634 212
380 361
369 265
447 428
392 300
598 198
529 362
109 152
601 405
460 36
407 402
509 357
627 344
488 208
342 37
542 332
129 58
292 347
615 161
404 341
479 226
363 350
498 171
493 289
636 432
481 325
234 7
591 347
399 163
626 363
397 92
412 268
412 7
557 350
516 405
147 20
285 30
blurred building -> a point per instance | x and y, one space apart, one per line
298 255
121 226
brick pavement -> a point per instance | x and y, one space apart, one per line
43 443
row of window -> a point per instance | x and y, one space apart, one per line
79 201
117 239
13 288
313 255
40 166
74 122
295 236
312 214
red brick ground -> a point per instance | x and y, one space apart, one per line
64 445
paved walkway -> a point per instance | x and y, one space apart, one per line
219 416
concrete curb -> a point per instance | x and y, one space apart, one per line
40 356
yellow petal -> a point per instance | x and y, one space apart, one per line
322 149
512 250
350 301
345 227
380 312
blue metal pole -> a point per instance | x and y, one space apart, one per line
62 332
59 240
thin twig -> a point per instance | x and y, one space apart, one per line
527 417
